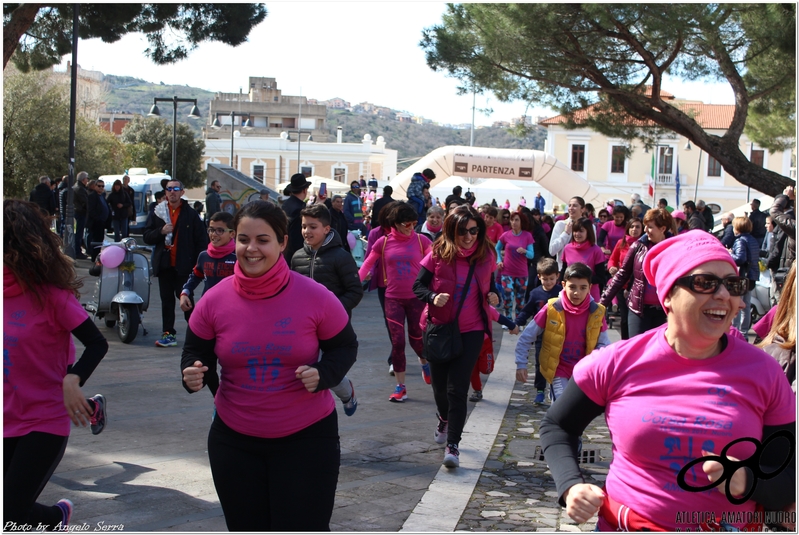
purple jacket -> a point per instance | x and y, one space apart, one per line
632 267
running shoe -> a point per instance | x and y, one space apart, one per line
66 513
440 434
539 397
452 456
98 417
426 374
167 340
399 395
391 370
352 405
477 395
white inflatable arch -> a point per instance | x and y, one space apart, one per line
513 164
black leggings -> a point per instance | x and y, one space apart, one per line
381 296
451 384
28 463
170 284
276 484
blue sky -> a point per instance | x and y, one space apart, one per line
359 51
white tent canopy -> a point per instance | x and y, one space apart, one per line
514 164
333 186
443 188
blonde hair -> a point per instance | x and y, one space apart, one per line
784 323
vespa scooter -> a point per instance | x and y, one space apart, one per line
123 288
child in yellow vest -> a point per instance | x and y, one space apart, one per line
573 325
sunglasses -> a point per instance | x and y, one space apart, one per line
175 188
474 231
706 283
218 231
408 223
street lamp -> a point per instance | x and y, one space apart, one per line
193 114
299 136
246 125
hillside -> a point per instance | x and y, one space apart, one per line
411 141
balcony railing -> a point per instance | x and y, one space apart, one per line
665 179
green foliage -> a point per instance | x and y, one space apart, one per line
572 56
173 30
412 141
36 135
157 133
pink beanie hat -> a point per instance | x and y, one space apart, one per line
678 214
674 257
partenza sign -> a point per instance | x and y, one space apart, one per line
488 167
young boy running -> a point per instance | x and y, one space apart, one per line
547 269
323 259
573 325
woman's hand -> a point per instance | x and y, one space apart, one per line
493 299
521 250
515 330
441 300
309 377
193 376
715 470
568 228
77 407
500 265
606 251
613 270
583 501
185 303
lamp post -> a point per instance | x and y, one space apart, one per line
246 125
299 139
193 114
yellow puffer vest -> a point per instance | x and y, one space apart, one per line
555 335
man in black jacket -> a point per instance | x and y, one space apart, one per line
298 192
213 200
97 215
173 262
380 203
337 222
42 195
758 220
707 215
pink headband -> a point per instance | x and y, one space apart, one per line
674 257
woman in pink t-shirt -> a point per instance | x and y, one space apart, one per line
400 253
518 246
41 379
383 228
611 232
583 249
682 402
273 445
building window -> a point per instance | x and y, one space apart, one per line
617 158
258 173
713 166
757 157
578 158
307 171
666 157
340 174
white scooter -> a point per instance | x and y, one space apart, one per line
123 288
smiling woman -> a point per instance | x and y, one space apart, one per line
714 393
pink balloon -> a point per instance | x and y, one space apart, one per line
112 256
352 240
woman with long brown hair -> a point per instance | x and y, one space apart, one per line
780 342
41 379
440 284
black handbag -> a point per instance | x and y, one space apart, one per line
442 343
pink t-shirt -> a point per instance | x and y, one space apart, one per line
494 232
663 410
514 263
37 348
574 344
614 234
402 262
590 256
469 318
260 344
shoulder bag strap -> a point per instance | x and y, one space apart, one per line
383 260
463 293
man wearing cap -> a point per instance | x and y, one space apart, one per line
353 208
416 192
264 195
707 215
297 191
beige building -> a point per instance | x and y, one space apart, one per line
601 161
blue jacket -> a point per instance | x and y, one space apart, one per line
539 203
416 186
746 254
353 210
729 237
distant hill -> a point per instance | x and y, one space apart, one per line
411 141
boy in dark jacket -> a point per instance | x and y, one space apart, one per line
323 259
216 262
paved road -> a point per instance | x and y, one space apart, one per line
148 471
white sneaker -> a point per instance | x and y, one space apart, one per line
451 456
391 370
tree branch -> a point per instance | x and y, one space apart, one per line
21 20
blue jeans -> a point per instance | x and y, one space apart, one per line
743 320
80 229
120 228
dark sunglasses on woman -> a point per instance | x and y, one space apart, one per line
705 283
473 231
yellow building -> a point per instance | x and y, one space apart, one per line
601 161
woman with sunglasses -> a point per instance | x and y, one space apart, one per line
400 254
633 232
678 399
440 286
644 310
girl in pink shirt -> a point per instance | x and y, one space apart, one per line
274 439
41 379
518 246
611 232
400 254
582 248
